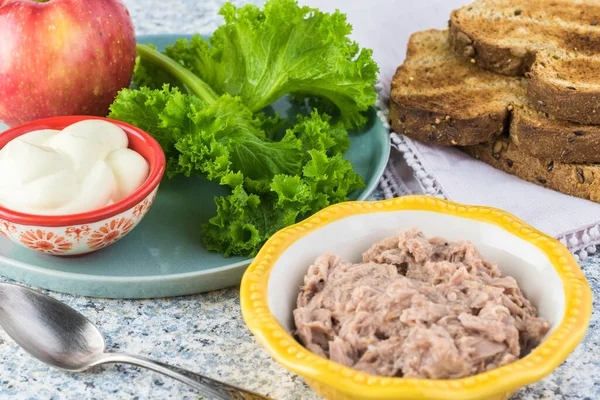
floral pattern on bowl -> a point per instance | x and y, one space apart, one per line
78 239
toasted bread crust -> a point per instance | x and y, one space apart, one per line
511 61
434 128
563 99
507 34
556 43
554 139
579 180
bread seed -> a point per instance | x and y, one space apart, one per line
541 103
571 139
588 175
542 181
518 52
550 166
454 142
473 61
497 147
510 107
578 133
469 51
438 121
510 163
448 118
518 12
564 153
580 175
463 38
571 88
594 23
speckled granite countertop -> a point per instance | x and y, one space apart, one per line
206 333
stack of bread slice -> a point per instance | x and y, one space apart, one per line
514 83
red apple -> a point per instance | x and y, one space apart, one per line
63 57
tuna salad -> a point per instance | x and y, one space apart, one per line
416 308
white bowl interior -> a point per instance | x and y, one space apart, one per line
351 236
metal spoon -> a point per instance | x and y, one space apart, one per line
61 337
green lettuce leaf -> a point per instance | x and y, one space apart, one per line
331 179
274 182
210 140
262 55
244 222
164 113
316 133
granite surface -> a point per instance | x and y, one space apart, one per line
206 333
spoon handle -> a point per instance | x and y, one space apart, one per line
206 386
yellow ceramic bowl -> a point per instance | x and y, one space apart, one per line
544 269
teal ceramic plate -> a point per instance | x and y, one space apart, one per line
164 255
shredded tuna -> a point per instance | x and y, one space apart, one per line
416 308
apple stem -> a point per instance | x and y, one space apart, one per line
191 81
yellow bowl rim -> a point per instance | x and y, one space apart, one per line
291 354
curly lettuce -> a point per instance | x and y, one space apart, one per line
263 54
275 182
206 103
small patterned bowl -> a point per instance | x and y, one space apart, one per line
78 234
544 269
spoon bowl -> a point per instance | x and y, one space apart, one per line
49 330
61 337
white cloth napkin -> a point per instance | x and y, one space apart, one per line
385 26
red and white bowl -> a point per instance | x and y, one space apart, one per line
77 234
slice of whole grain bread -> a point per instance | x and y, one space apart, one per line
438 98
555 42
546 137
505 35
568 88
579 180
